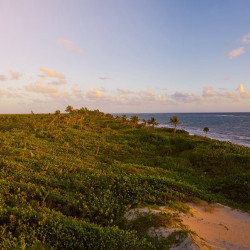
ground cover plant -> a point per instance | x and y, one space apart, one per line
66 180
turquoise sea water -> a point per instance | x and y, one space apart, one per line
233 127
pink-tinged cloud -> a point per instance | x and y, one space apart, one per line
40 88
186 97
50 73
99 96
208 92
244 94
94 94
123 98
226 78
77 92
246 39
58 82
125 92
104 78
3 78
162 98
70 46
47 90
236 52
147 96
3 92
150 92
14 75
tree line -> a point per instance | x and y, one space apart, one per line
134 120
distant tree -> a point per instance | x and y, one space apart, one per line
124 118
175 121
57 113
134 119
144 122
152 122
109 116
205 130
69 109
82 111
117 117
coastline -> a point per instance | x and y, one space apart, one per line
228 127
210 135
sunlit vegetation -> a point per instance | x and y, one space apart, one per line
67 180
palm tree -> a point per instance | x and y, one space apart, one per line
175 121
69 109
152 122
205 130
144 122
124 118
82 112
134 119
117 117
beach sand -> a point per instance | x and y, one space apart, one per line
220 226
216 226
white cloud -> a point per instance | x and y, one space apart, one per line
70 46
236 52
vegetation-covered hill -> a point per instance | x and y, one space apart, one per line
66 180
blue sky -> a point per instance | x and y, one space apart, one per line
125 55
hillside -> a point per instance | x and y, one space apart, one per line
67 180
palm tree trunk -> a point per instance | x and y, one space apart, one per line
175 128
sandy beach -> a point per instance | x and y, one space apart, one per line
216 226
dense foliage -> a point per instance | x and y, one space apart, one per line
66 180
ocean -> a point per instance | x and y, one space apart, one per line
232 127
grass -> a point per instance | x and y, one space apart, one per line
66 183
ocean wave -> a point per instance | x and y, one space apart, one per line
234 115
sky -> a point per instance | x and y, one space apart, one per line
125 55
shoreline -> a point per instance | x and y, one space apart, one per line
208 136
